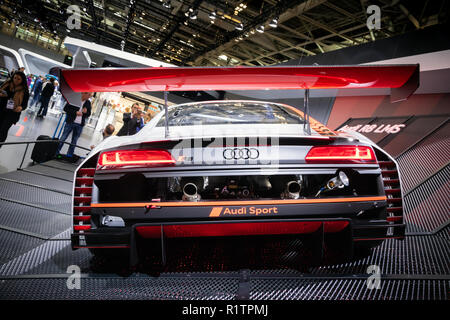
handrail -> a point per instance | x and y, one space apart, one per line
38 141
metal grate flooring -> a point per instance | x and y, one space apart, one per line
38 180
13 244
50 172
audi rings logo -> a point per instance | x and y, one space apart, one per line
240 153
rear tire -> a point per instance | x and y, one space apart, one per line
111 261
110 253
363 249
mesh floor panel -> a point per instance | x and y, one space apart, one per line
13 244
53 172
36 196
305 289
47 182
121 289
42 222
221 289
62 165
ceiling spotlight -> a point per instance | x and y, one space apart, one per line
260 29
189 12
167 4
274 23
213 15
193 15
240 27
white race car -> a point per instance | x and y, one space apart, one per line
236 168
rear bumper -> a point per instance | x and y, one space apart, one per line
134 213
365 218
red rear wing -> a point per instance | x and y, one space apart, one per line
402 79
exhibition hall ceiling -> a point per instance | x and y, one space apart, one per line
219 33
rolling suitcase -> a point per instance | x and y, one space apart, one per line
44 151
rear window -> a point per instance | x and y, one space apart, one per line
230 113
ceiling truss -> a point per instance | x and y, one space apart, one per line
153 29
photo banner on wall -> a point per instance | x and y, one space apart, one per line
395 134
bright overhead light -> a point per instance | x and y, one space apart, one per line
193 15
260 29
274 23
167 4
240 27
213 15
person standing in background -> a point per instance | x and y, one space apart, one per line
75 120
56 84
127 116
37 88
106 133
133 122
136 123
13 100
47 93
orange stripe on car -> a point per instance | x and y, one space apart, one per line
234 203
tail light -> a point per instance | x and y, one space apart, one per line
341 154
135 158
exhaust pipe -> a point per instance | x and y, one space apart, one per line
287 186
338 182
293 189
191 187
